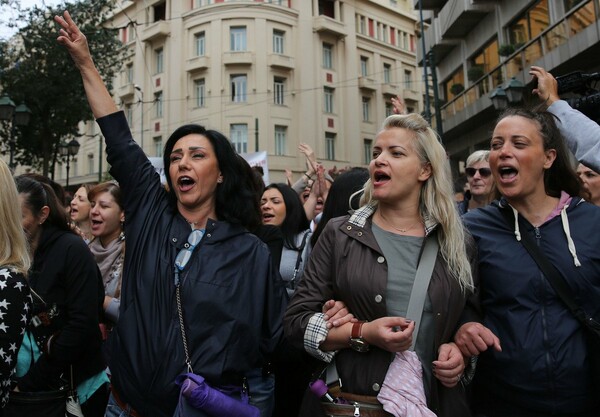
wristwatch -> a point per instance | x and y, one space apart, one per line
356 340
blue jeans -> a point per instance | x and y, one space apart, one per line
262 391
113 409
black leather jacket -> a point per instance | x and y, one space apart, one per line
232 298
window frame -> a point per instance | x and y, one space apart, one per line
279 91
330 146
328 104
159 56
280 135
200 43
239 137
239 88
238 39
200 92
327 60
278 41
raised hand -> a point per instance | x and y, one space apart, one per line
76 43
399 106
310 156
547 87
71 37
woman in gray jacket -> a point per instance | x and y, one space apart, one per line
369 260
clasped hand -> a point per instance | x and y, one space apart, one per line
395 334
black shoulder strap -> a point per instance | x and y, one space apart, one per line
300 250
292 283
553 276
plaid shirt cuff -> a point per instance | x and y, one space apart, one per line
315 334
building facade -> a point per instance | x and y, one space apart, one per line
478 45
268 74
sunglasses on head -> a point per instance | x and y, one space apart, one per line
483 172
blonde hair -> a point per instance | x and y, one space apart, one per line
436 199
13 243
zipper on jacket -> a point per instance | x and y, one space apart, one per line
544 284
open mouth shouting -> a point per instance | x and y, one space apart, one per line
380 178
96 224
267 218
507 174
185 183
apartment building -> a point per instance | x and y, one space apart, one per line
479 45
268 74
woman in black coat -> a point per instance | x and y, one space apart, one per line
67 296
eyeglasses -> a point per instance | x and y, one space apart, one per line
185 254
483 172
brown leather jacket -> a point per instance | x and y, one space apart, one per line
348 265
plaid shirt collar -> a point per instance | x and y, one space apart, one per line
360 216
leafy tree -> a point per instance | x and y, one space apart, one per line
37 71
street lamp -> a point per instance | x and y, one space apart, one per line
499 99
68 150
141 101
511 93
19 116
514 90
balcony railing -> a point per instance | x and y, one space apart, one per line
156 30
553 37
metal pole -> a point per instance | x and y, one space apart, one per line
100 160
256 134
11 142
141 101
427 109
142 120
67 183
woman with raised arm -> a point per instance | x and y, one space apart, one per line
369 261
187 243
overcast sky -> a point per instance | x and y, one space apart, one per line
8 14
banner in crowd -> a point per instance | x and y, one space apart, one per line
158 165
258 159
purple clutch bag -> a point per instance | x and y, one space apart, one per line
212 401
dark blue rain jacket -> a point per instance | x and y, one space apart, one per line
544 364
233 300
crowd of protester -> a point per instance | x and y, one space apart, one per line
387 291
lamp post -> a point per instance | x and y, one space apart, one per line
514 90
68 150
511 93
19 116
427 109
141 101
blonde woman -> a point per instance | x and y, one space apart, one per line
14 291
368 261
